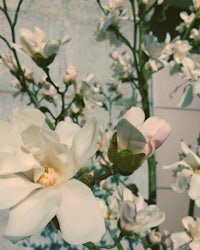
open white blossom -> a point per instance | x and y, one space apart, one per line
187 174
37 166
191 235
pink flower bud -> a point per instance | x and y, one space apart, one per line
141 136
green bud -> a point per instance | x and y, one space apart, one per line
125 161
41 61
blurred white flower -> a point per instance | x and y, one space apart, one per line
36 170
180 50
187 174
134 216
70 74
190 237
188 19
35 45
158 52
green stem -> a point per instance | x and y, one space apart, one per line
191 208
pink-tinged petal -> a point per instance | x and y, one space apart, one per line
194 190
135 116
157 130
32 214
179 239
85 143
14 188
18 162
79 214
10 140
194 245
129 137
24 117
66 131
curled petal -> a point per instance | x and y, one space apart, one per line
129 137
79 215
14 188
24 117
32 214
157 130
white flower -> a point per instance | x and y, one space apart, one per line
187 174
36 169
196 4
9 62
132 212
191 236
180 50
134 216
35 45
158 52
188 19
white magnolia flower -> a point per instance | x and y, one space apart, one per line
36 169
35 45
134 216
191 235
158 52
187 174
132 212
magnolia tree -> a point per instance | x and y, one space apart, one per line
62 171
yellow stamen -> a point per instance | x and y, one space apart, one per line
48 178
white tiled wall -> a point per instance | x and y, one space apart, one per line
185 126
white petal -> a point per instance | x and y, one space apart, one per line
84 143
79 215
32 214
66 132
19 162
23 118
14 188
194 190
135 116
186 221
10 139
180 239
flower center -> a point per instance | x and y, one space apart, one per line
48 178
197 170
